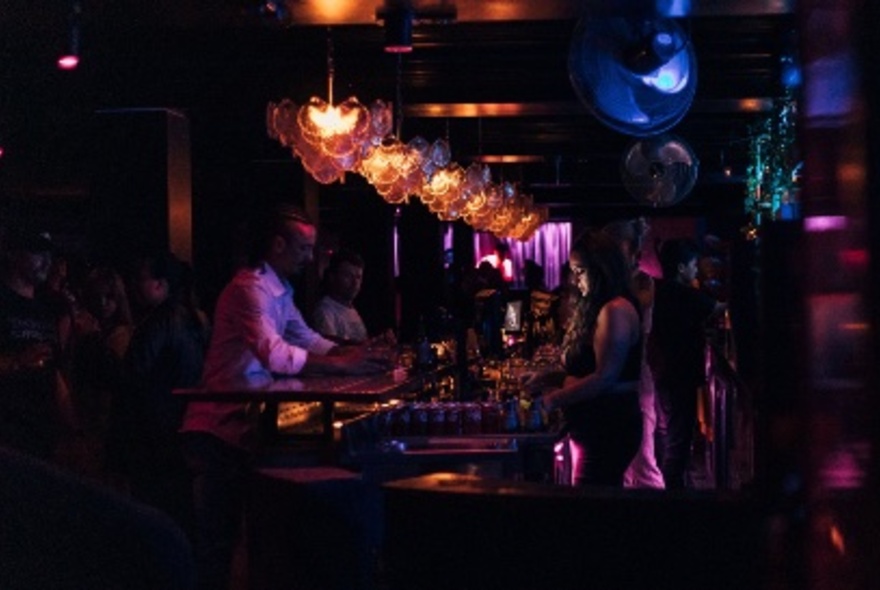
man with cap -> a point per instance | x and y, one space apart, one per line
32 406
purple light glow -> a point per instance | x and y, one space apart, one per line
395 241
68 62
549 247
576 454
821 223
845 467
447 236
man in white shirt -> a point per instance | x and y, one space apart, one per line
258 332
335 316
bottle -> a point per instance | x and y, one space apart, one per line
424 352
510 417
537 418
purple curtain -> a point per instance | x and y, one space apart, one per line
549 247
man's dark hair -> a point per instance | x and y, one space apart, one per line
339 257
165 265
270 223
674 252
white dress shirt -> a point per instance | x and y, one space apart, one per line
257 332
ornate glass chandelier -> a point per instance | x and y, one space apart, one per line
331 140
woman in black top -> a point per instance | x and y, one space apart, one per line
601 353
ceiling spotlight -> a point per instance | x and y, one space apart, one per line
69 59
68 62
398 29
399 16
271 10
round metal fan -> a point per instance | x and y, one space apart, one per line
660 170
637 75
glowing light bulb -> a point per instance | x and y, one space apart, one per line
68 62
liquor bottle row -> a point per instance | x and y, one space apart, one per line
461 418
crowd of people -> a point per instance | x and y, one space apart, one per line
88 366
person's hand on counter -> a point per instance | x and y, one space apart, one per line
386 338
537 382
359 359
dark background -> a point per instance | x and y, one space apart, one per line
219 63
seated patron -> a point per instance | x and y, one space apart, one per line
335 316
257 332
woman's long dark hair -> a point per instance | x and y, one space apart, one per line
609 277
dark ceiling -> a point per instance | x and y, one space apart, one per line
493 80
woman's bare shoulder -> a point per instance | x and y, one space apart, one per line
620 308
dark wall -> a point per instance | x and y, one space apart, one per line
129 188
354 216
421 267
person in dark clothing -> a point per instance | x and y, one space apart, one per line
676 355
602 354
63 532
102 330
34 405
166 352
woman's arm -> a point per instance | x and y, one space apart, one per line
617 330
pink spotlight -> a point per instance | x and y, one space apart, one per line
68 62
822 223
398 49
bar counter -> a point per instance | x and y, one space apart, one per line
326 389
314 388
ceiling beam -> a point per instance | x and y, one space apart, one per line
337 12
565 108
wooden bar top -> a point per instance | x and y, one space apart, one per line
362 388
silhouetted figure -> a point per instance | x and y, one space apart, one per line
166 352
35 406
61 532
643 472
676 349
